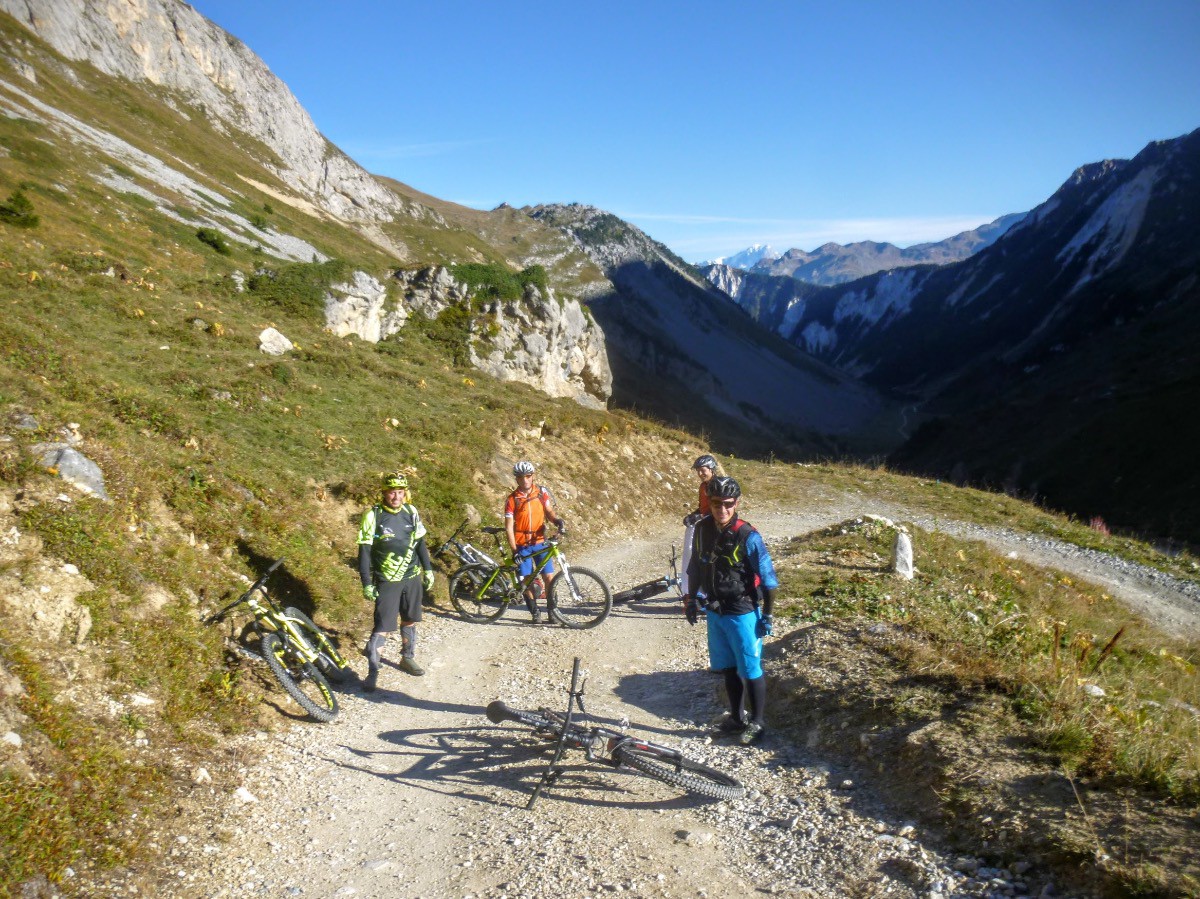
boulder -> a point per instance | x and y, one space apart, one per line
273 343
72 466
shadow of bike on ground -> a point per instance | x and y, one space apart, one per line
502 766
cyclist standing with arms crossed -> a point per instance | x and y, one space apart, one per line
395 567
729 569
526 512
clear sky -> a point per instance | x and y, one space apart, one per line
713 126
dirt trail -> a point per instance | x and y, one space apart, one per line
412 792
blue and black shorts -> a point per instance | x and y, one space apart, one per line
732 644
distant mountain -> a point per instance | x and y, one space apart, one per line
747 257
838 263
679 350
1057 360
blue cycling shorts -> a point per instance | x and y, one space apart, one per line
732 644
529 557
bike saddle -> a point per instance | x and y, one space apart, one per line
492 530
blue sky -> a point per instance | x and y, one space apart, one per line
713 126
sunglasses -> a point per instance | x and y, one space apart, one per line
725 503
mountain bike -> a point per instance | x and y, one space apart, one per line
577 597
650 589
466 553
613 748
299 654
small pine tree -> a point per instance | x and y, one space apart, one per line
18 211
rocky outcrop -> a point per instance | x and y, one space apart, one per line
169 44
551 344
548 342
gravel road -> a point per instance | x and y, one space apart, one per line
413 793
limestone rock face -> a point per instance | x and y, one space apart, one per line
357 307
169 44
540 340
551 344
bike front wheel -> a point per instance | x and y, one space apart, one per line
682 773
580 600
476 599
302 681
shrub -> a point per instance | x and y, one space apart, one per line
214 239
495 281
298 287
18 211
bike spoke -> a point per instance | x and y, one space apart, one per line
581 599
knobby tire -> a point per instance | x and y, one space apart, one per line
323 704
327 666
690 776
580 605
471 602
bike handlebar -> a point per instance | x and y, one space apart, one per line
257 585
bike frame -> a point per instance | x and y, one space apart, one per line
509 569
294 633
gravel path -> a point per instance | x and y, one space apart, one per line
413 793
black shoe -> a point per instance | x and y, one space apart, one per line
409 665
752 734
729 725
371 680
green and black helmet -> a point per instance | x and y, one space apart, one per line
395 481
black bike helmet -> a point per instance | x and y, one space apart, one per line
705 461
397 481
723 488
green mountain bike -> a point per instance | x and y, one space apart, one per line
301 657
577 598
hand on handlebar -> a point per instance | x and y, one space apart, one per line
691 610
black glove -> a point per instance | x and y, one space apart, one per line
765 627
691 611
561 524
691 519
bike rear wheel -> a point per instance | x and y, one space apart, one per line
325 663
580 601
474 601
681 772
302 681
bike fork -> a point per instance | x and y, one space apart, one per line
554 771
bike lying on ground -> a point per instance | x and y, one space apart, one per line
614 748
299 654
650 589
577 596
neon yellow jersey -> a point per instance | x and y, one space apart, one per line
392 536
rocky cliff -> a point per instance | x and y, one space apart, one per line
548 342
207 72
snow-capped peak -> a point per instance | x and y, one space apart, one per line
747 257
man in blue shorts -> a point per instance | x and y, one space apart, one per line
526 511
730 569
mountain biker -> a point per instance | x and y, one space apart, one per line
526 511
706 468
395 568
729 571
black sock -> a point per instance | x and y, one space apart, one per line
758 698
735 689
